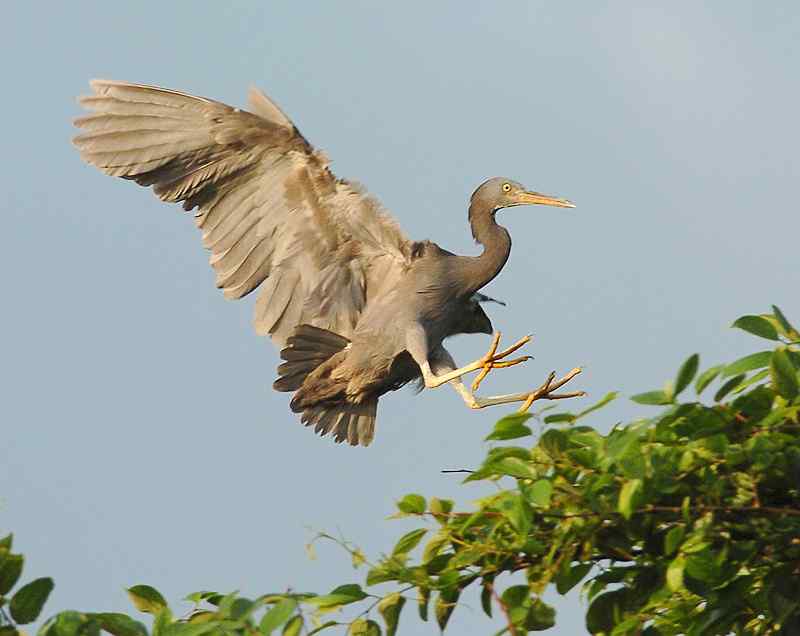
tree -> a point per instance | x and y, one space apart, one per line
687 522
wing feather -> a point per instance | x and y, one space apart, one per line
270 211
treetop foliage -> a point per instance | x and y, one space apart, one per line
684 522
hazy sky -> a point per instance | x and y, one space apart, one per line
142 440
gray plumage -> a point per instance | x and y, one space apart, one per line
355 307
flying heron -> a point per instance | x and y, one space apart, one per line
356 308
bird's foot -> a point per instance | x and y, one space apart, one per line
545 391
493 360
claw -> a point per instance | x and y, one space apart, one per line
519 343
545 391
493 360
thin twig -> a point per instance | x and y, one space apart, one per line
511 629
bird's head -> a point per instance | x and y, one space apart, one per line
499 192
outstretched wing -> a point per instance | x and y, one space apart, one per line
270 211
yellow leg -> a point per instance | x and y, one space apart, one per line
544 392
491 360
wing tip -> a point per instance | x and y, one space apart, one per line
266 108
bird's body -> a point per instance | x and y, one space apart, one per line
356 308
376 359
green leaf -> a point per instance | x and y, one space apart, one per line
408 542
423 596
277 615
609 397
675 573
390 607
364 627
293 627
652 398
119 624
322 627
673 539
514 509
514 467
486 597
627 495
444 606
758 326
499 452
10 570
199 623
434 545
440 506
620 441
69 623
553 442
707 377
702 566
146 599
748 363
466 556
6 542
540 616
570 576
27 602
373 629
686 373
628 627
379 575
783 374
412 504
342 595
729 386
540 493
602 612
516 601
240 608
199 597
788 330
753 379
510 427
557 418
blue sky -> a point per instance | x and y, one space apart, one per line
143 443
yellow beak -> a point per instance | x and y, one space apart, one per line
536 198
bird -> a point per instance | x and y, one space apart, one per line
355 308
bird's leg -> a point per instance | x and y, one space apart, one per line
544 392
491 360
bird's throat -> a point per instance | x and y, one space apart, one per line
496 242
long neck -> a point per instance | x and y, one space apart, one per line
496 242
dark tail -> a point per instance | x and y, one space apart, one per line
353 423
306 349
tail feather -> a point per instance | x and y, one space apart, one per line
306 349
353 423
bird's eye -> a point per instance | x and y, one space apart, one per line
506 187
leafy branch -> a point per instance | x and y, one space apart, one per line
685 522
